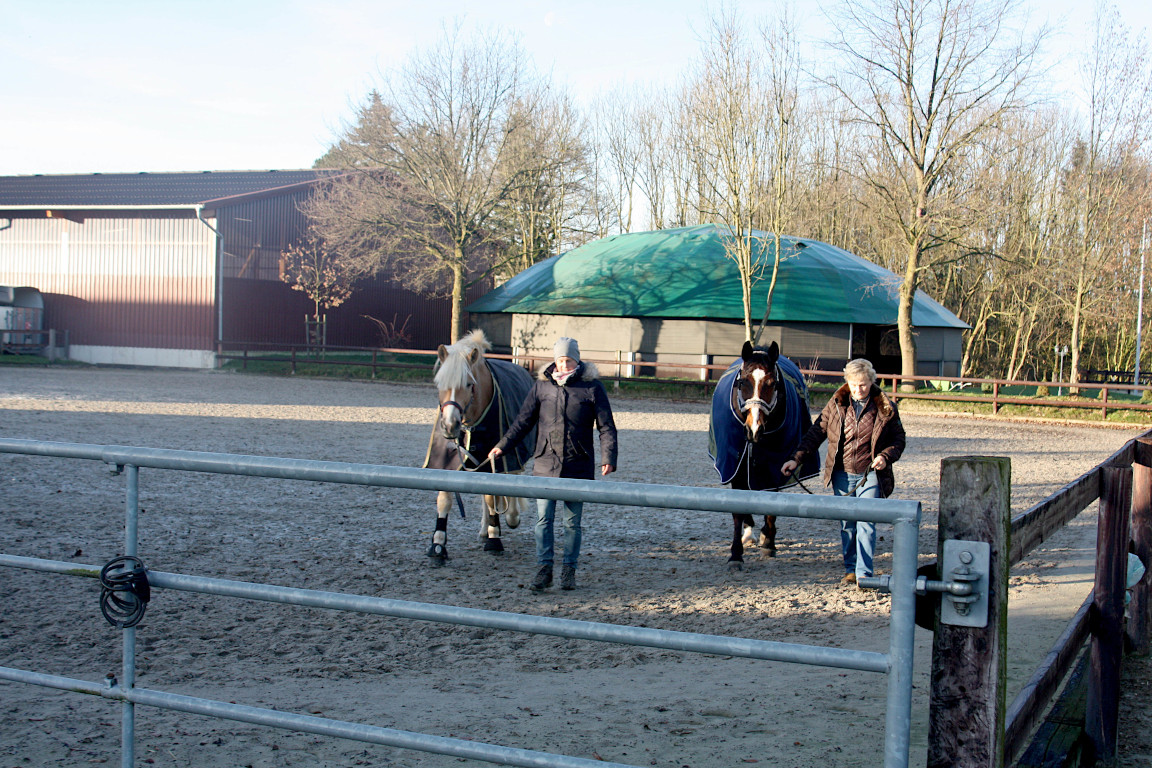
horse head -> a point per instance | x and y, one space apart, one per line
464 383
756 390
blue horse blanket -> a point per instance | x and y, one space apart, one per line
730 450
512 385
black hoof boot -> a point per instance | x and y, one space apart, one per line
438 554
494 546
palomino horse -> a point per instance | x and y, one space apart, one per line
759 413
479 399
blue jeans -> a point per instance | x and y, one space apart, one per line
857 538
570 514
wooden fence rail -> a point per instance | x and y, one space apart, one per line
1123 485
705 375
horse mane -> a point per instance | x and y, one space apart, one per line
455 370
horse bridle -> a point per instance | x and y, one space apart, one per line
463 408
754 402
463 452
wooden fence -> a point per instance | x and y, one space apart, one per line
705 375
969 724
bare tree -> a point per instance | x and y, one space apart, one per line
324 277
619 153
783 59
548 213
995 278
1104 170
437 147
930 79
731 140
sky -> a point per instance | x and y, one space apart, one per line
116 86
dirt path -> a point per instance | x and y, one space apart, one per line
657 568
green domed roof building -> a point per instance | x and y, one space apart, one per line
674 296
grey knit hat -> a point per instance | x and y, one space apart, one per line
566 347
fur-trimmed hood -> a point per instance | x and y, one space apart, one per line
843 398
585 371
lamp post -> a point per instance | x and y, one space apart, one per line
1140 306
1060 352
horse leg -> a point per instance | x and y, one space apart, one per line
736 558
768 535
514 506
490 528
439 549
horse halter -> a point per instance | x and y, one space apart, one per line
747 404
462 408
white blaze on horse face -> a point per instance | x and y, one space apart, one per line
756 415
450 415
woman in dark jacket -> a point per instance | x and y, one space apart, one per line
564 406
865 437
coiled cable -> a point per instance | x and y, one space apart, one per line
124 591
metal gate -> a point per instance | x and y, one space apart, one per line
904 516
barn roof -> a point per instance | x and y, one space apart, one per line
146 190
684 273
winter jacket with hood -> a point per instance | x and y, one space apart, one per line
885 437
564 417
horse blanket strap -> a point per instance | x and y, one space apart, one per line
512 384
727 444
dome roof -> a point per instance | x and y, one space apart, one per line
684 273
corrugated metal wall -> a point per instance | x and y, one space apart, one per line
266 312
259 308
139 281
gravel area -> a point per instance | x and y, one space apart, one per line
653 567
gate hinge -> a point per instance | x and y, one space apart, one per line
964 586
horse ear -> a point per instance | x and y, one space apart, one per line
474 356
746 351
442 353
773 351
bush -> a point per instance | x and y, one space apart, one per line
1146 397
1042 390
986 388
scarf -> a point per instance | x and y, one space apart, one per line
562 378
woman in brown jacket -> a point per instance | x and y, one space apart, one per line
865 437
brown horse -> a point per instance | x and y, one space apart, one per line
478 399
759 413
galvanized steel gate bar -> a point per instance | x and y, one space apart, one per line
904 516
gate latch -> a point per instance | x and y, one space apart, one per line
964 584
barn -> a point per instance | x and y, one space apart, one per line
167 269
674 296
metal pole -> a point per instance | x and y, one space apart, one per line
901 643
1140 303
128 663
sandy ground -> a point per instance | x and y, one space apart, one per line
652 567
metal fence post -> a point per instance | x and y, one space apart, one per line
969 664
901 642
128 661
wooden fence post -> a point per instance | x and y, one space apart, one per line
1139 613
969 665
1107 645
